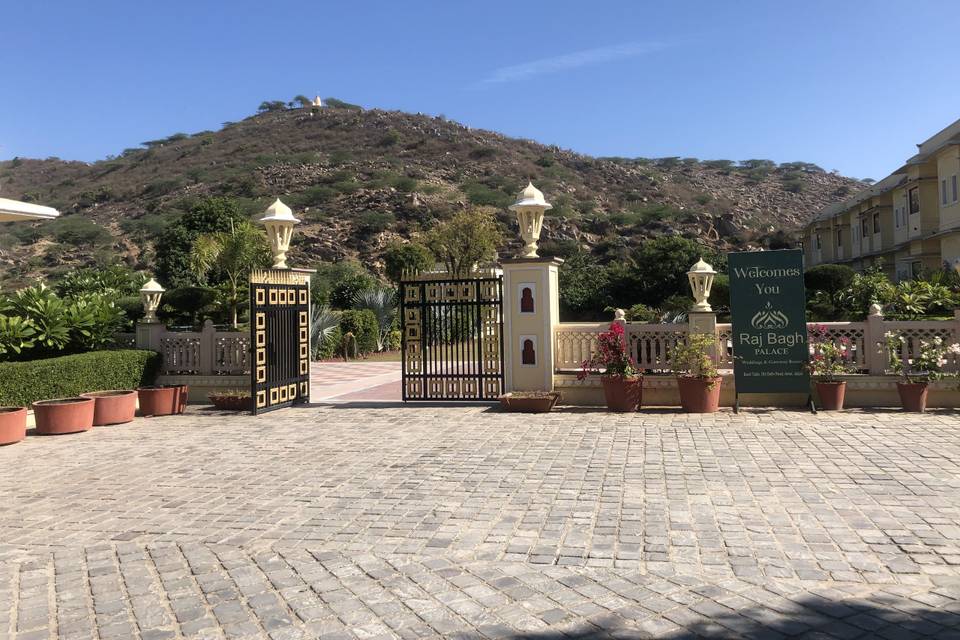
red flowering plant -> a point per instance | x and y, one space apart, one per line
611 358
829 358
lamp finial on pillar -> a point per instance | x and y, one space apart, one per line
529 207
278 220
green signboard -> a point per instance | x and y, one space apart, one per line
768 309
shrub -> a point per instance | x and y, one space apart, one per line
828 277
480 153
411 256
337 284
370 223
24 382
185 305
79 231
60 325
116 279
641 313
482 195
329 346
389 139
363 325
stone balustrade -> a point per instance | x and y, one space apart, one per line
651 344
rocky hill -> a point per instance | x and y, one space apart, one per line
362 178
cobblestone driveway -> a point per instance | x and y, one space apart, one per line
418 522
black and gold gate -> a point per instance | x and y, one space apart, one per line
280 338
452 337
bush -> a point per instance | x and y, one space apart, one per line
370 223
24 382
364 327
50 325
186 305
406 257
641 313
828 277
79 231
330 346
337 284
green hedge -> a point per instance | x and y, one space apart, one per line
24 382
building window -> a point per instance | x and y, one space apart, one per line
916 269
864 227
876 223
816 242
839 237
943 191
953 182
914 200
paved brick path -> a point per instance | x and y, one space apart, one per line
429 522
355 380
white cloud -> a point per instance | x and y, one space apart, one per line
573 60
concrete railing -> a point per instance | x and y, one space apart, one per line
207 352
652 344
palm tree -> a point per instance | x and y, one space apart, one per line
231 254
325 323
383 303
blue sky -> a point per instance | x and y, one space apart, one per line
851 86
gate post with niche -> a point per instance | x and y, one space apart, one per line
531 302
280 319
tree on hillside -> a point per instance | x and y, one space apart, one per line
400 257
300 101
467 239
174 243
231 255
271 105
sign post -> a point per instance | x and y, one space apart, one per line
768 314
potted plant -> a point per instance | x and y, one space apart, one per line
695 364
158 401
182 394
63 415
622 382
112 407
529 401
231 400
13 424
916 373
829 359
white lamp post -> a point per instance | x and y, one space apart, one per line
701 280
150 295
529 207
279 221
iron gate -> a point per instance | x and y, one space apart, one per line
452 338
280 338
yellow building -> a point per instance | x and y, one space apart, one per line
909 222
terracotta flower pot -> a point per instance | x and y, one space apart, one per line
63 415
913 396
530 402
158 401
831 395
623 394
13 424
699 395
112 407
182 393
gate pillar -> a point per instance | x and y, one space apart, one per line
531 312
